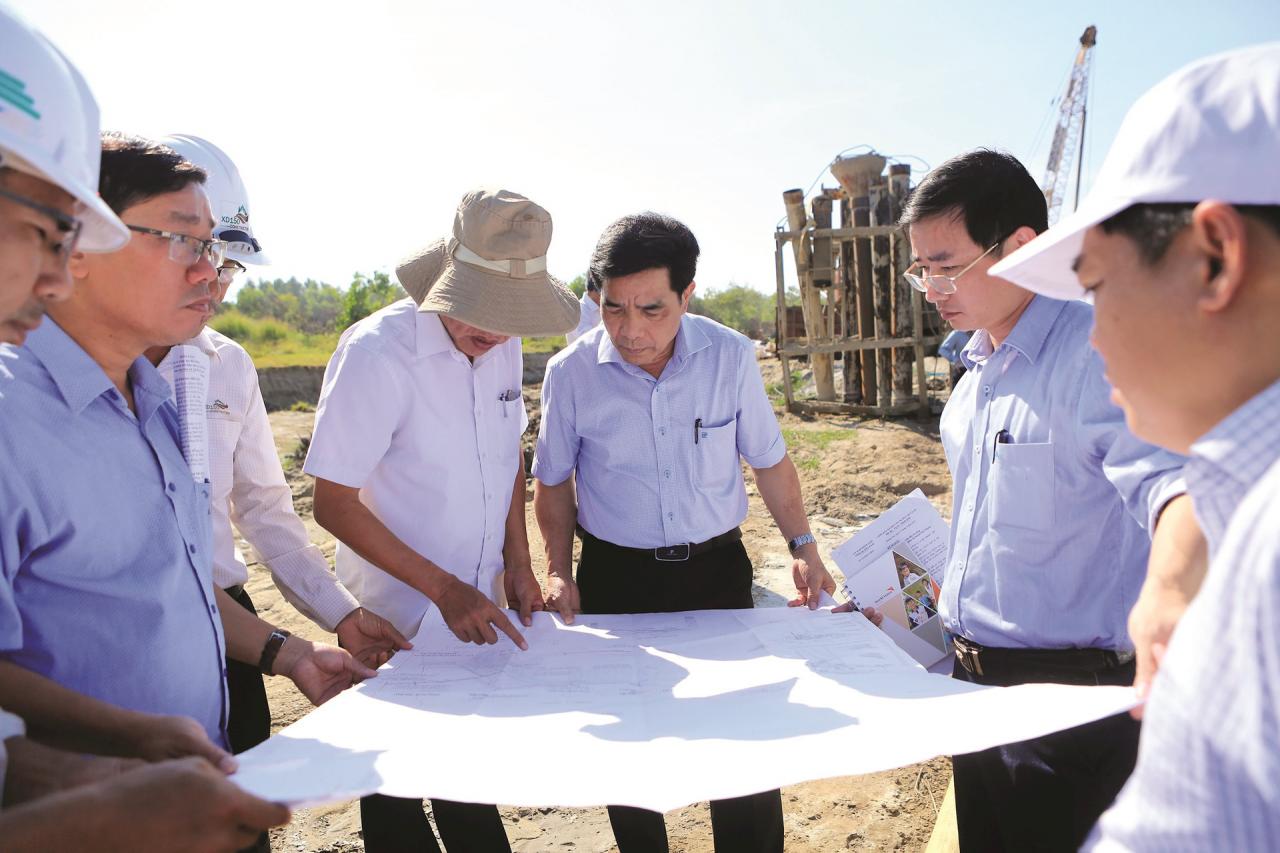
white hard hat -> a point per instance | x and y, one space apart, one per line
49 127
227 196
1208 131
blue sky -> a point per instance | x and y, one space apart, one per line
358 126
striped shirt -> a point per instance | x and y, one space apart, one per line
1208 773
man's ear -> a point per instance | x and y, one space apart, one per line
78 266
1020 238
1220 239
687 296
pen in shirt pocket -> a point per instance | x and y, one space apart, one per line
1002 437
507 396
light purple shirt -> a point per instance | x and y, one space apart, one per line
1208 773
642 479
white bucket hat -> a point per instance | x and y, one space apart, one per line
1209 131
227 196
49 127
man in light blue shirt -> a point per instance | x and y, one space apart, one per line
1053 505
111 634
1188 322
649 416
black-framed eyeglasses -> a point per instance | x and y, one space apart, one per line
945 284
185 249
69 227
228 271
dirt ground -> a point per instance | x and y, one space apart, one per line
851 470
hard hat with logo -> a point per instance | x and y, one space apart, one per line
227 196
49 127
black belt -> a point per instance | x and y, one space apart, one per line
674 553
971 657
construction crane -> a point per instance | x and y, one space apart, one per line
1069 129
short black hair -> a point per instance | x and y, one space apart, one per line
135 169
1153 227
645 241
990 191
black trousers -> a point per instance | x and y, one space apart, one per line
1044 794
617 580
398 825
249 717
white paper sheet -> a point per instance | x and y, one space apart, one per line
895 564
657 711
187 369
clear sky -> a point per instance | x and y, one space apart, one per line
357 126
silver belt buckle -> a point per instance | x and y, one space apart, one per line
672 553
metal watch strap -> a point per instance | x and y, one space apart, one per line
800 541
271 649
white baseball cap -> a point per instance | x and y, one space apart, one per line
1208 131
49 127
227 196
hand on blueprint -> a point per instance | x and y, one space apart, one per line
523 592
562 597
175 806
155 737
811 578
472 617
319 670
871 613
371 639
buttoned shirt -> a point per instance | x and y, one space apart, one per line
1208 772
250 491
105 577
432 441
588 317
1054 499
656 461
11 725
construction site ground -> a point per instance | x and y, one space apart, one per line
851 469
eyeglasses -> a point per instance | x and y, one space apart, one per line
945 284
228 273
69 226
188 250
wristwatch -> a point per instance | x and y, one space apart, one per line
271 649
800 541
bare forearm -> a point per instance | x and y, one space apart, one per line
780 489
515 547
64 717
35 771
556 509
338 510
246 634
1179 552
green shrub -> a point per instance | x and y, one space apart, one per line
234 325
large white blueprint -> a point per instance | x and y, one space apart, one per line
656 710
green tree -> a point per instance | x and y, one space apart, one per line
366 295
579 285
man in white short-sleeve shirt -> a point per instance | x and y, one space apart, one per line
417 457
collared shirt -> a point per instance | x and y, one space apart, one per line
643 481
1208 772
1054 499
433 443
105 579
588 318
249 488
11 725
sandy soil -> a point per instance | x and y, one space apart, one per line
851 470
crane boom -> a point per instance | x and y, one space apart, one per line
1069 129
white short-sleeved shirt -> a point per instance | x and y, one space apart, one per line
433 443
250 490
643 479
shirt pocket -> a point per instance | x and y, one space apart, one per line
715 456
1022 486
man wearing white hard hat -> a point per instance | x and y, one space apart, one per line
49 208
418 464
1178 245
1058 508
226 430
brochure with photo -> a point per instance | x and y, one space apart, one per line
895 565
